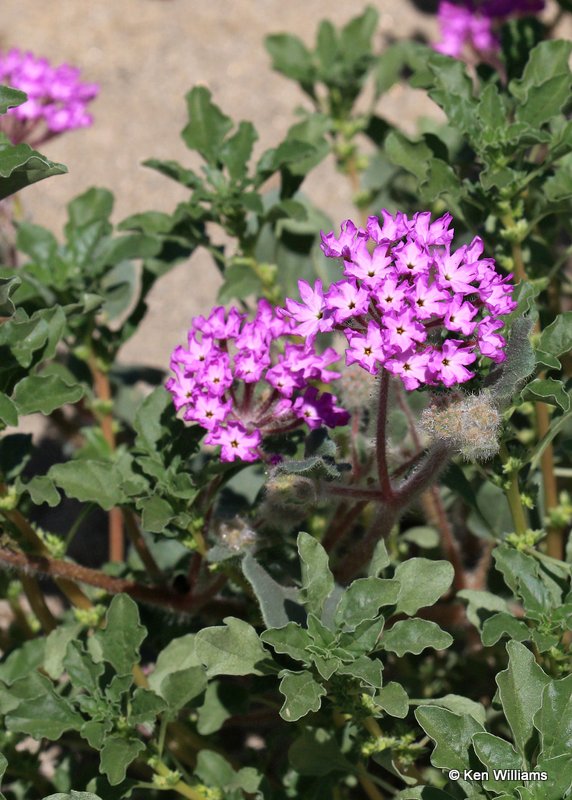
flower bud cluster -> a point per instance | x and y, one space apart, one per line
57 99
471 425
408 303
243 379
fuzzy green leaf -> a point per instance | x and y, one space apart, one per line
452 735
363 599
317 579
230 649
39 393
207 125
90 481
520 690
303 694
501 624
414 636
548 390
116 755
497 754
123 634
278 604
554 718
422 582
393 699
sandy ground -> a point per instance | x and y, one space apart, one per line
146 54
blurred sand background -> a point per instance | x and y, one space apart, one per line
146 55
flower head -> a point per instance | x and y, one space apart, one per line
409 302
57 99
242 379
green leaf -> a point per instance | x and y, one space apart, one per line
367 670
90 481
556 338
519 364
422 582
236 151
55 650
548 390
290 57
554 718
364 638
41 490
221 702
39 393
278 604
497 754
457 704
21 166
231 649
520 690
47 716
393 699
423 536
452 735
10 98
316 752
380 559
116 755
179 654
363 599
452 89
157 513
7 287
427 793
559 778
303 694
207 125
8 411
33 338
145 706
83 671
213 770
291 639
481 605
23 661
545 84
123 634
413 636
414 157
179 688
499 625
317 579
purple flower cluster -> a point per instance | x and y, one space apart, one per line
472 23
242 379
408 302
57 99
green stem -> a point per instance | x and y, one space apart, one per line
513 497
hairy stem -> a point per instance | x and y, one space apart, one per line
381 438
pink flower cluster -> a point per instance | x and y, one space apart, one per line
243 379
472 23
57 99
408 303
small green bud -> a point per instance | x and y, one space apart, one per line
516 233
526 500
511 465
9 501
561 515
522 541
90 617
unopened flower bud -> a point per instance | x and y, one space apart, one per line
289 491
471 425
357 389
